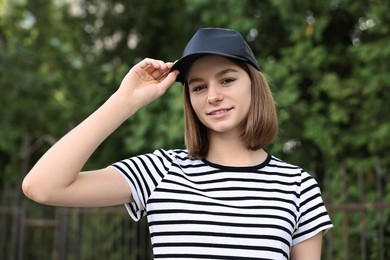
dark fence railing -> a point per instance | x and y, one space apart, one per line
32 231
361 216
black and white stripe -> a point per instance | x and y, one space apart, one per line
200 210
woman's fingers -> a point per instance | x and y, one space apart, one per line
149 64
155 68
167 80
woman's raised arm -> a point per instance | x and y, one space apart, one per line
56 179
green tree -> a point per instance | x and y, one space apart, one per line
327 62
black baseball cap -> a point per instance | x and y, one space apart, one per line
218 41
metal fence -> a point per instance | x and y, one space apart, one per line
361 215
31 231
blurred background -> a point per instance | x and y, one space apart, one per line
328 65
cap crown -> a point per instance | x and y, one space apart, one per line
218 41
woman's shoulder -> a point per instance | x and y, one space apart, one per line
161 156
277 163
180 158
305 178
172 154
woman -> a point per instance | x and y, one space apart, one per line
223 197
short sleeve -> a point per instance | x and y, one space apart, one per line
313 216
143 173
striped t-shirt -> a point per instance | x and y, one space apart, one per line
200 210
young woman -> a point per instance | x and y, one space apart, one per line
223 197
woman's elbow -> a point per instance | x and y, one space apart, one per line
34 191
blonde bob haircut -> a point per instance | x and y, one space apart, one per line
258 130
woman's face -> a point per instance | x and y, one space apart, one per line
220 93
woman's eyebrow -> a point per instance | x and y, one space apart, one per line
225 71
218 74
193 80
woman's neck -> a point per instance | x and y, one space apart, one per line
228 151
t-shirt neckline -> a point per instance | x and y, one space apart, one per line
239 168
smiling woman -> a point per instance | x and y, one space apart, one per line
222 197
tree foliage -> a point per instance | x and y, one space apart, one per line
327 63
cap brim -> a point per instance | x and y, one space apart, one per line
184 64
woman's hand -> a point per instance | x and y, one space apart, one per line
147 80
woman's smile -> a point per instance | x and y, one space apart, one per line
218 113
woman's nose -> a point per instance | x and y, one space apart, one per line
213 95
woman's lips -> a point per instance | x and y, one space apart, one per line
219 112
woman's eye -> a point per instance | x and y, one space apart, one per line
227 81
198 88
